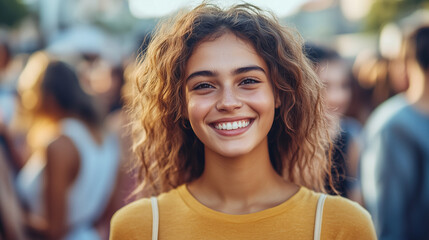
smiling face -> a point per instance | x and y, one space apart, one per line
230 100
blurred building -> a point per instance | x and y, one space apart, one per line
111 28
103 27
339 24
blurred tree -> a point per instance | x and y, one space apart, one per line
11 12
385 11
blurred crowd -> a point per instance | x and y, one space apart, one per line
63 127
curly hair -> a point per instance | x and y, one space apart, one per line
169 153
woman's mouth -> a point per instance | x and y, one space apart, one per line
233 125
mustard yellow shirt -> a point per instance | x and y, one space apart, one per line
181 216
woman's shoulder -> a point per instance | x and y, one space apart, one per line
142 208
132 220
344 217
136 210
340 206
135 219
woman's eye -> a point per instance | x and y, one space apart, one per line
203 86
248 81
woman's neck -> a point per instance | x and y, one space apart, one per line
241 184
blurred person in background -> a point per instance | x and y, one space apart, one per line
7 92
8 99
118 121
398 194
379 79
103 80
335 74
12 221
67 184
369 77
13 137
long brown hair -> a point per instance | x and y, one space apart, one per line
43 80
169 154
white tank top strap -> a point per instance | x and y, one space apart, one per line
319 215
155 218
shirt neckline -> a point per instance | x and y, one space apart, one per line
200 208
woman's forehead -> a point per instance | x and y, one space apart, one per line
227 50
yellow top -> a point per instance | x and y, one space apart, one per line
181 216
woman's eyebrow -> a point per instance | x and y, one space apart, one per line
248 69
205 73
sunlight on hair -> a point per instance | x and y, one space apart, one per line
30 79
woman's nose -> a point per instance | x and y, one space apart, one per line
228 100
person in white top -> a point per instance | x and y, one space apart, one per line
68 181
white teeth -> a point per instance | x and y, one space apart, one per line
232 125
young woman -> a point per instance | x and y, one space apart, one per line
68 181
230 131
